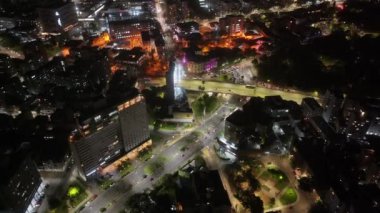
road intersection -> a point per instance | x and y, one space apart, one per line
115 197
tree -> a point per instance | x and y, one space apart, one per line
253 182
318 208
249 200
54 203
256 205
141 202
306 184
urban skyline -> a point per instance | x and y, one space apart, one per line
189 106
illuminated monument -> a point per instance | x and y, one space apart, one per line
173 77
178 108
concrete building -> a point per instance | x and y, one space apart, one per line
58 18
134 123
311 108
130 28
186 28
272 116
374 128
199 65
177 10
21 186
135 56
101 139
232 24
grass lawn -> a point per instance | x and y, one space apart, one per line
289 196
126 170
105 184
279 177
265 175
168 126
281 185
76 194
145 154
153 168
162 159
276 175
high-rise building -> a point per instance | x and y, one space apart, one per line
311 107
232 24
101 139
170 96
21 186
134 123
177 11
130 28
58 18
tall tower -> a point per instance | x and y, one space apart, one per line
170 96
173 77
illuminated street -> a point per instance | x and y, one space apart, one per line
217 106
117 194
229 88
11 53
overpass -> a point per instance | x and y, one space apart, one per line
243 90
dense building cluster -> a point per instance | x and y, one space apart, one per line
339 147
101 100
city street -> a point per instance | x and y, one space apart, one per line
11 53
114 198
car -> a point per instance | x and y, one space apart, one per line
151 179
145 176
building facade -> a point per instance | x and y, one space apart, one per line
58 19
23 189
232 24
100 140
